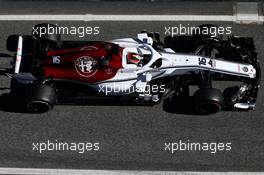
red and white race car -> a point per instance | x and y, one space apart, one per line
141 70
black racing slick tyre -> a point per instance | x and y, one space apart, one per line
208 101
47 33
40 98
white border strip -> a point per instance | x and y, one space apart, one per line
91 17
243 12
111 172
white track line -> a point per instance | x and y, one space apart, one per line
91 17
110 172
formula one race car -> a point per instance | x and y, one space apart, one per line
142 70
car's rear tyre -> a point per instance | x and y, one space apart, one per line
38 106
208 101
40 98
46 33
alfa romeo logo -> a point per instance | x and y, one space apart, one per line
86 66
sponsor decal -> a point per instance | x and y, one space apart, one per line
89 48
245 69
109 71
56 60
86 66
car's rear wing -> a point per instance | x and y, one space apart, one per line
19 54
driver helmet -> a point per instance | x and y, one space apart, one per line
134 58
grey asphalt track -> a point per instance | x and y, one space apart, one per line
132 138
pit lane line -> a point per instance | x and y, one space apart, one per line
111 172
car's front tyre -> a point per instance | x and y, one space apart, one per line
208 101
